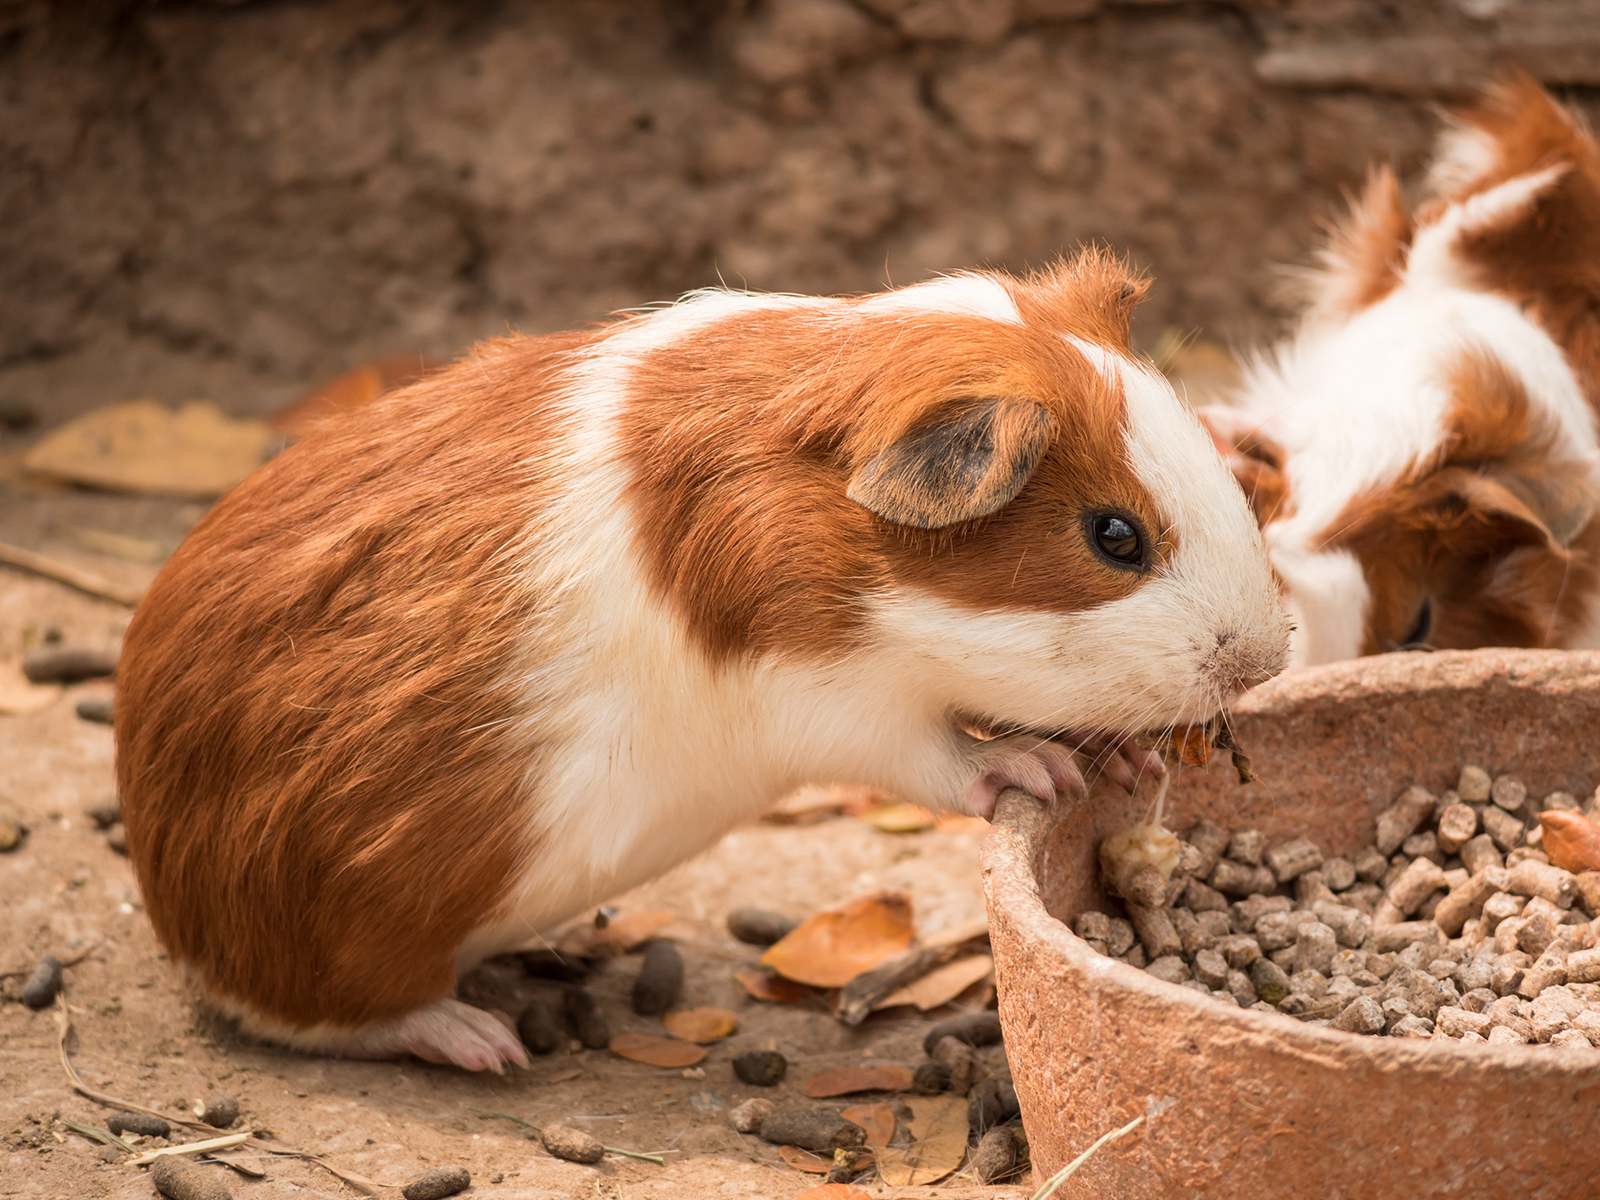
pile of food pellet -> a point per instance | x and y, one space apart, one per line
1453 924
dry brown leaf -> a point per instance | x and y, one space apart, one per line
1571 840
657 1052
622 932
774 988
876 1119
815 1164
1194 746
832 947
940 985
939 1131
834 1191
144 446
702 1025
841 1081
899 818
17 695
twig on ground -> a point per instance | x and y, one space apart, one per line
201 1147
660 1162
75 577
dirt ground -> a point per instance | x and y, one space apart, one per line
139 1036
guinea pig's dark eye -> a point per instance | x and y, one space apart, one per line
1116 538
1423 626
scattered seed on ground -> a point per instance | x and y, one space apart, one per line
660 980
181 1180
574 1145
436 1183
758 927
42 986
761 1068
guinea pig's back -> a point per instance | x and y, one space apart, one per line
320 734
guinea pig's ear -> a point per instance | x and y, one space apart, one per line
1550 506
1255 460
970 462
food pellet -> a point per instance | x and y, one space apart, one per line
584 1019
747 1117
180 1180
574 1145
957 1057
761 1068
143 1124
537 1028
757 927
42 986
219 1111
1453 925
660 980
437 1183
815 1129
996 1156
97 709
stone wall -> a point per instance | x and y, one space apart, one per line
234 199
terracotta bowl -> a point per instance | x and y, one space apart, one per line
1240 1104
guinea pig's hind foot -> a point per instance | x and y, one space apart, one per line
1039 767
446 1031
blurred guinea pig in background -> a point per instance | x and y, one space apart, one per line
547 622
1422 453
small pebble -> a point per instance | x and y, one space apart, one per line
117 838
105 814
817 1129
930 1078
538 1029
144 1124
10 834
761 1068
660 980
747 1117
758 927
574 1145
41 988
583 1018
436 1183
109 1154
68 664
220 1111
97 709
996 1156
975 1029
180 1180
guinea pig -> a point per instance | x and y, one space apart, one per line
1422 453
545 623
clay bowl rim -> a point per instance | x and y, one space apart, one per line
1010 857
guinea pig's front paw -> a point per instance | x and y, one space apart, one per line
1120 760
446 1031
1043 769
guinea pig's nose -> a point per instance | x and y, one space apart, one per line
1238 663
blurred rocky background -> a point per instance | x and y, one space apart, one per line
235 201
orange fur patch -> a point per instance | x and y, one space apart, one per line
318 753
743 440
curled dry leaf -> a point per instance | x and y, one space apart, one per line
657 1052
622 932
702 1025
774 988
1571 840
841 1081
876 1119
939 1131
1194 746
942 984
832 947
815 1164
899 818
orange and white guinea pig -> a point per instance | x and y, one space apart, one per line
1422 454
545 623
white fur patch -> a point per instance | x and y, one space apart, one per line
1435 250
961 294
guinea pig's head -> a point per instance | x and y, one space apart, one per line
970 491
1423 455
